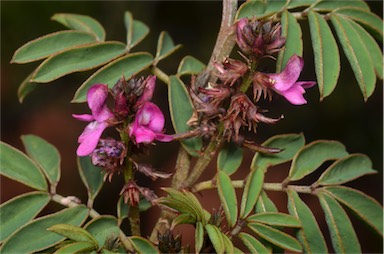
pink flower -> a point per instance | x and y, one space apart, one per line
148 125
101 118
284 83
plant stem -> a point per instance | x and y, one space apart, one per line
160 74
266 186
226 37
206 157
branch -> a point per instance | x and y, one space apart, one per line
206 185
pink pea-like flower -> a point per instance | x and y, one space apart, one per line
284 83
148 125
101 118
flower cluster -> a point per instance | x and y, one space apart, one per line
139 122
227 101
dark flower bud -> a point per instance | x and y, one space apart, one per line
230 70
131 193
152 173
168 243
109 155
258 38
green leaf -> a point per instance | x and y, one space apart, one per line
227 197
91 176
136 30
103 227
253 245
290 143
184 218
252 189
367 208
50 44
276 237
265 204
181 109
26 87
356 53
346 169
313 155
251 9
372 22
275 219
17 166
190 66
80 58
330 5
45 155
165 46
199 237
142 245
343 236
326 53
373 49
81 23
310 235
300 3
74 233
229 158
122 210
36 235
76 247
19 210
228 245
216 238
294 43
126 66
274 7
184 202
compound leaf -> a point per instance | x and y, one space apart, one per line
356 53
310 235
76 59
82 23
346 169
294 42
91 176
36 235
312 155
17 166
181 109
227 196
50 44
368 209
19 210
343 236
252 189
109 74
45 155
326 53
229 158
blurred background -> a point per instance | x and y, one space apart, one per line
343 116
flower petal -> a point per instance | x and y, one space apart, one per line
147 94
96 98
164 137
287 78
90 137
143 135
151 116
84 117
295 95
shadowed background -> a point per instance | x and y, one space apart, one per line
343 116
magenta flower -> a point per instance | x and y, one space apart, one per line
148 125
284 83
101 118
